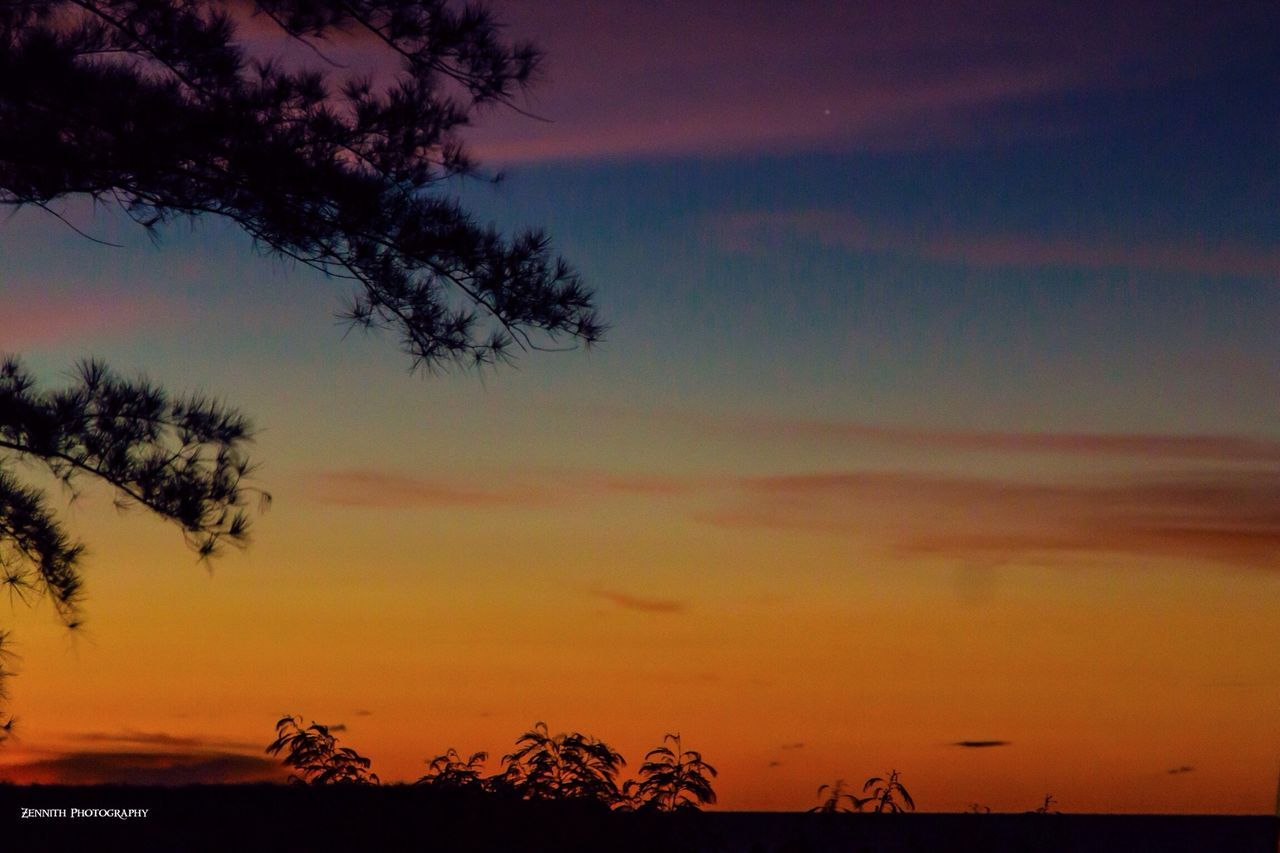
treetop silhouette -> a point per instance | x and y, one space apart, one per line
450 772
313 753
888 794
674 778
563 766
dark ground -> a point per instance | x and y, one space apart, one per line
282 818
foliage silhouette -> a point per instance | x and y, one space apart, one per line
315 757
156 107
886 792
182 458
674 778
8 721
450 772
570 766
838 798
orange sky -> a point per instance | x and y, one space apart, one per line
940 405
794 631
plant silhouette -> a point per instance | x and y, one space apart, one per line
1047 807
838 798
315 757
673 777
570 766
888 794
450 772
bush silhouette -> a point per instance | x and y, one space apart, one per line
315 757
570 766
674 778
886 793
450 772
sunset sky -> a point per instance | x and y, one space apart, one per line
940 407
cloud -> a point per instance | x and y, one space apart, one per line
640 603
1177 771
796 745
753 232
1129 445
713 78
375 489
144 768
129 737
384 490
1229 517
980 744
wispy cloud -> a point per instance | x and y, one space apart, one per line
377 489
719 78
1132 445
762 231
381 489
1178 771
129 737
980 744
1229 517
644 604
144 768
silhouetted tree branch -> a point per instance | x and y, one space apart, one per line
183 458
155 106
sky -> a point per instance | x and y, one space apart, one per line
936 429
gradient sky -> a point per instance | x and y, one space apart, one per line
941 406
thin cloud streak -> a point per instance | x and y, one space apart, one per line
1131 445
377 489
825 76
1227 517
640 603
384 490
144 768
129 737
755 232
981 744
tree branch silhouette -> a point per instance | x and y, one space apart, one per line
156 106
182 458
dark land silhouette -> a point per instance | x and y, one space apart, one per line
412 817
